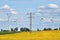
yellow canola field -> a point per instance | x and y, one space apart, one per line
38 35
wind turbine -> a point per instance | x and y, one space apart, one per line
52 21
15 20
8 15
42 20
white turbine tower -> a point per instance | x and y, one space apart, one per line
42 20
52 20
8 17
15 20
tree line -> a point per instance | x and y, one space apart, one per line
16 30
45 29
26 29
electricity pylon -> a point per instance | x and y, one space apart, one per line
31 21
30 16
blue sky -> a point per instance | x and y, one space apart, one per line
44 11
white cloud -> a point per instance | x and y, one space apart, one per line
55 20
50 8
57 10
11 10
1 19
42 7
6 6
53 6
